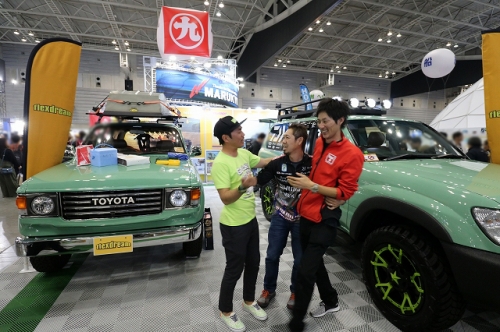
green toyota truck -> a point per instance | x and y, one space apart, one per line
70 209
428 219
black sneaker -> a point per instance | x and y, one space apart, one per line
323 309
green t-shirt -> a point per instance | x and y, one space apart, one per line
227 172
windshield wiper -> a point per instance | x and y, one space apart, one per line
450 156
409 156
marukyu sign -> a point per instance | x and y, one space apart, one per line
177 84
184 32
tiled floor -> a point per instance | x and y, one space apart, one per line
156 289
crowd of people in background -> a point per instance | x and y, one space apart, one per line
476 150
11 163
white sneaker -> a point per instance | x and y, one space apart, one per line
255 310
232 321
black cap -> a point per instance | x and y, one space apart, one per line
226 125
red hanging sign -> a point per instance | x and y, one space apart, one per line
184 32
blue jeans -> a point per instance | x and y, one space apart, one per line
277 237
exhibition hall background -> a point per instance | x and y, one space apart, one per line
274 86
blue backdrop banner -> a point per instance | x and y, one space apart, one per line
176 84
306 97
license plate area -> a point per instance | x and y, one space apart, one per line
108 245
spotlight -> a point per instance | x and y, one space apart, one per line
456 45
388 41
337 67
398 35
31 34
23 39
221 5
275 64
354 102
331 70
448 44
318 22
117 48
370 103
287 61
16 32
206 3
393 73
386 76
387 72
126 43
310 29
279 60
386 104
328 23
128 49
380 39
380 75
320 30
345 68
284 65
113 42
37 40
218 14
338 71
389 33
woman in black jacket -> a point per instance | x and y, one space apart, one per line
475 151
8 181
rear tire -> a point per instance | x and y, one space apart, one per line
192 249
267 200
409 282
49 264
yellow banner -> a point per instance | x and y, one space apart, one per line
49 102
491 73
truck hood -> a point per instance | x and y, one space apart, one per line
69 177
476 177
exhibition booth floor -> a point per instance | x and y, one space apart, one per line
157 289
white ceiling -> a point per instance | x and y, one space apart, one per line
346 37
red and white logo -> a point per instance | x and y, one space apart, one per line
330 159
184 32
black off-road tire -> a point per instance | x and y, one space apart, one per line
49 263
267 200
409 282
192 249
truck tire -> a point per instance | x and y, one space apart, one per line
409 282
49 263
267 200
192 249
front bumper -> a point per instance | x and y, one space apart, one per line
31 247
476 273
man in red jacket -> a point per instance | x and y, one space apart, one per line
337 165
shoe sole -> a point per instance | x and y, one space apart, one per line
256 317
234 329
326 312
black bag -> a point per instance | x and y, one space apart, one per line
208 228
8 179
6 170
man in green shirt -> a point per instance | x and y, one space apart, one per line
233 179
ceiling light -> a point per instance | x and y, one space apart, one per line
380 75
393 73
219 57
338 71
113 42
320 30
337 67
287 61
388 41
380 39
345 68
389 33
284 65
218 14
37 40
310 29
331 70
448 44
328 23
23 39
128 49
117 48
221 5
456 45
275 64
398 35
206 3
386 76
387 72
279 60
126 43
31 34
16 32
318 22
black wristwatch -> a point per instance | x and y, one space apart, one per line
241 189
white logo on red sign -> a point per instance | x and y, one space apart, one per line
330 159
187 31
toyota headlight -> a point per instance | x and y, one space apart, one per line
489 222
42 205
178 198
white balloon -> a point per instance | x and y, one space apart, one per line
316 94
438 63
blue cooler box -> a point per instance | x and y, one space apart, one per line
103 157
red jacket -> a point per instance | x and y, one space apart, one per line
339 166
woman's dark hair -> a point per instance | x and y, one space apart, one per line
456 134
335 109
3 143
299 130
474 142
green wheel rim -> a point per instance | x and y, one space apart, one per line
267 200
398 280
